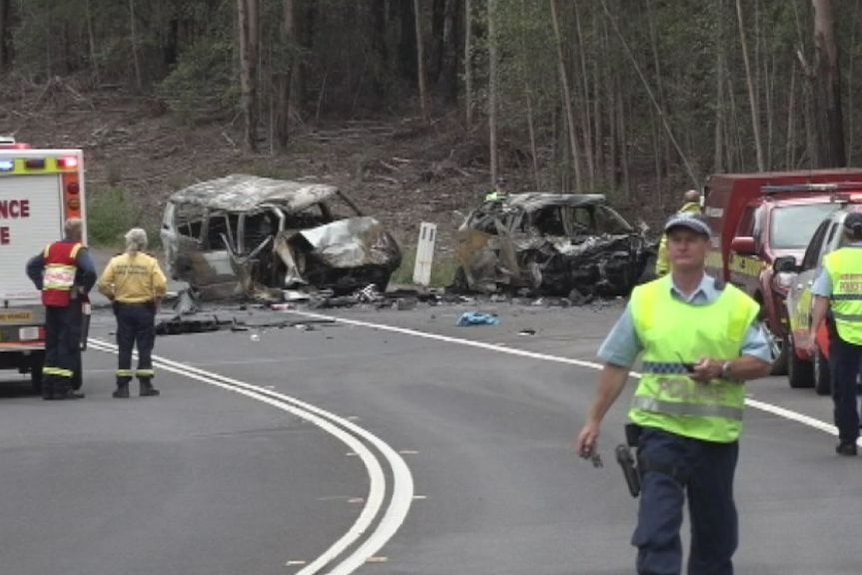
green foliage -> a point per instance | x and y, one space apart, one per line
110 214
203 82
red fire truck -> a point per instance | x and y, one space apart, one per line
762 216
39 190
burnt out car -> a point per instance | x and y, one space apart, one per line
248 236
553 244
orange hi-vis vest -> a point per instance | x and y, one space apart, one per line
59 276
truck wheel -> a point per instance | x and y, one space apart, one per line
800 373
36 361
822 374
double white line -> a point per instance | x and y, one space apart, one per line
360 542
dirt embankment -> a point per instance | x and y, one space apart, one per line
401 170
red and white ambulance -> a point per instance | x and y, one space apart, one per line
39 190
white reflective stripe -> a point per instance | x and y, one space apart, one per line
673 408
58 277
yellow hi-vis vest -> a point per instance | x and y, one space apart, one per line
844 267
673 332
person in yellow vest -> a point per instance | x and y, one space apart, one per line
65 274
838 288
499 193
700 342
135 284
691 206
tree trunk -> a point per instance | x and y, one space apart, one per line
448 81
827 86
567 97
284 77
134 39
752 97
528 97
492 88
420 62
850 118
718 164
5 36
248 70
585 106
438 46
91 38
468 62
791 122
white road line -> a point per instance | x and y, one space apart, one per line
402 491
753 403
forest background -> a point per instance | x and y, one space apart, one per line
415 107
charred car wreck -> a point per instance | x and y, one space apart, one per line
246 236
555 244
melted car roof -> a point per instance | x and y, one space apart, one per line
536 200
241 192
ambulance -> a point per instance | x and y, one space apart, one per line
39 191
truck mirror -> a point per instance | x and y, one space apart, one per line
785 264
743 245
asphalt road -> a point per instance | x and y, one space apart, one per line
389 443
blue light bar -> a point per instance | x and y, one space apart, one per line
7 165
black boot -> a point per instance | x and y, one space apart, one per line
147 389
122 391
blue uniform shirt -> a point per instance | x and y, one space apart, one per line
823 284
622 345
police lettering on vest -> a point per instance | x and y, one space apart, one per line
843 267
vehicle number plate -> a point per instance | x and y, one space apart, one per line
28 333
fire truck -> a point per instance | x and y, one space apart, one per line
39 191
759 217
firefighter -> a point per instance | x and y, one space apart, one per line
499 193
838 288
700 343
691 205
65 274
135 284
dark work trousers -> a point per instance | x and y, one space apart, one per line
135 325
62 349
705 470
844 359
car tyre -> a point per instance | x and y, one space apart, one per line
779 365
800 372
822 374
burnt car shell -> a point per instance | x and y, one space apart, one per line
244 235
550 244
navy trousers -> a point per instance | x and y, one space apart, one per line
704 472
135 326
844 360
62 349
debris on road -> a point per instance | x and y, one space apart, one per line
477 318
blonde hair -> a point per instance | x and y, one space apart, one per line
136 240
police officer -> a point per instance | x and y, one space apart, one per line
65 274
700 343
499 193
691 205
839 287
135 284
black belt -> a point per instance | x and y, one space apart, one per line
137 303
